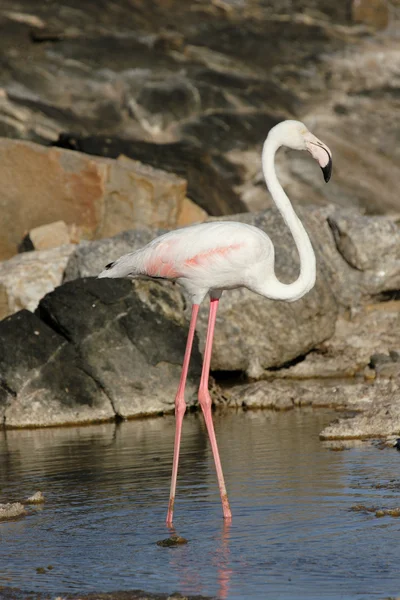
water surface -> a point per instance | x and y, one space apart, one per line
292 534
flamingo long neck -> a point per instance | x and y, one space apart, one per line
273 287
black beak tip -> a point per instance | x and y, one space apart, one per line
327 170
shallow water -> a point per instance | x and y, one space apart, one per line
292 534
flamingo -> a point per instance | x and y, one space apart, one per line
208 258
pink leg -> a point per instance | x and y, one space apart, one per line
205 403
180 408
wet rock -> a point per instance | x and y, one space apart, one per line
380 419
11 510
36 498
285 395
101 196
174 540
379 512
43 380
130 338
27 277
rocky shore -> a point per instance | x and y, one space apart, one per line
130 123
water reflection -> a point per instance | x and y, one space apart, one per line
107 487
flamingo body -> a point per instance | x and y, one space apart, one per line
203 258
211 257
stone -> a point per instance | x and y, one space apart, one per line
366 331
43 380
130 337
36 498
182 97
380 419
27 277
101 196
208 184
4 306
374 13
371 245
285 395
89 258
12 510
50 235
190 213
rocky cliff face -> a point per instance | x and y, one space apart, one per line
195 86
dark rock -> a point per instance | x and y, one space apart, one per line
43 378
131 339
174 540
93 350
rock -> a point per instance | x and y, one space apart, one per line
367 331
4 306
174 540
89 258
11 510
371 245
201 89
27 277
210 182
285 395
380 419
95 349
131 339
36 498
190 213
374 13
43 380
102 196
47 236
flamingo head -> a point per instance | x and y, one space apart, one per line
295 135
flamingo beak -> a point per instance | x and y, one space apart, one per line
320 153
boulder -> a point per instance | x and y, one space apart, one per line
101 196
94 350
370 245
46 236
27 277
12 510
43 380
380 419
360 335
183 94
131 338
285 395
210 178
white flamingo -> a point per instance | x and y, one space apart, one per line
211 257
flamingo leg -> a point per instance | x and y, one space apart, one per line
180 409
205 403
